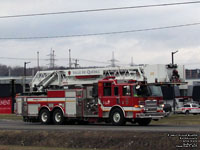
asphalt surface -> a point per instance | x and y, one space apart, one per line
20 125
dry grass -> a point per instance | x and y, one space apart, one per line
179 119
10 117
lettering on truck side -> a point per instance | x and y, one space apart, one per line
4 102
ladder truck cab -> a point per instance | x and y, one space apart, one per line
109 100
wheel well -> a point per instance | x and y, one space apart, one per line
43 109
55 108
117 107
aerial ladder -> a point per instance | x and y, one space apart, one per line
53 79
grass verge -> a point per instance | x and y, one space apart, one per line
179 119
10 117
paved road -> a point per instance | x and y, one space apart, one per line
20 125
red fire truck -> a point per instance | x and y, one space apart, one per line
110 100
110 95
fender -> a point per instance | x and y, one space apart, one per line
57 106
117 106
44 107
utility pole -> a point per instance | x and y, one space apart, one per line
132 64
174 100
113 60
38 59
9 71
70 61
25 63
173 57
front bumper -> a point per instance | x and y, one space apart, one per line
153 115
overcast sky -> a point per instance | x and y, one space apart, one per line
152 47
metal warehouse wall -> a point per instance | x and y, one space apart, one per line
196 93
7 96
168 92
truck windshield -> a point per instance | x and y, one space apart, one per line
141 90
155 91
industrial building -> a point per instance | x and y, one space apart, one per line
9 87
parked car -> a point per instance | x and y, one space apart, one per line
190 108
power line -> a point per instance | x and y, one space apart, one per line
58 59
14 58
101 9
102 33
93 61
197 63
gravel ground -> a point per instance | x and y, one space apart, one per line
116 140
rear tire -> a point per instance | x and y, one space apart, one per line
144 122
187 112
44 116
58 118
117 117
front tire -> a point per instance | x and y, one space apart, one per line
58 118
117 117
44 116
144 121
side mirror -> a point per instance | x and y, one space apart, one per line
137 87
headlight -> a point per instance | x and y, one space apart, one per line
141 106
162 105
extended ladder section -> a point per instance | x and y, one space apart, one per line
150 73
60 78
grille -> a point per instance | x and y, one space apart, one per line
150 105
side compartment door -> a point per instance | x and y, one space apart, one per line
70 104
33 106
24 106
80 99
19 106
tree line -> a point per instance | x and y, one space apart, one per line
19 71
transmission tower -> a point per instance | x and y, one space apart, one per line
76 63
113 60
51 59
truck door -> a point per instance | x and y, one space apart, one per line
116 94
107 98
125 97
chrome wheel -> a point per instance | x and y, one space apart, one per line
57 117
116 117
44 117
